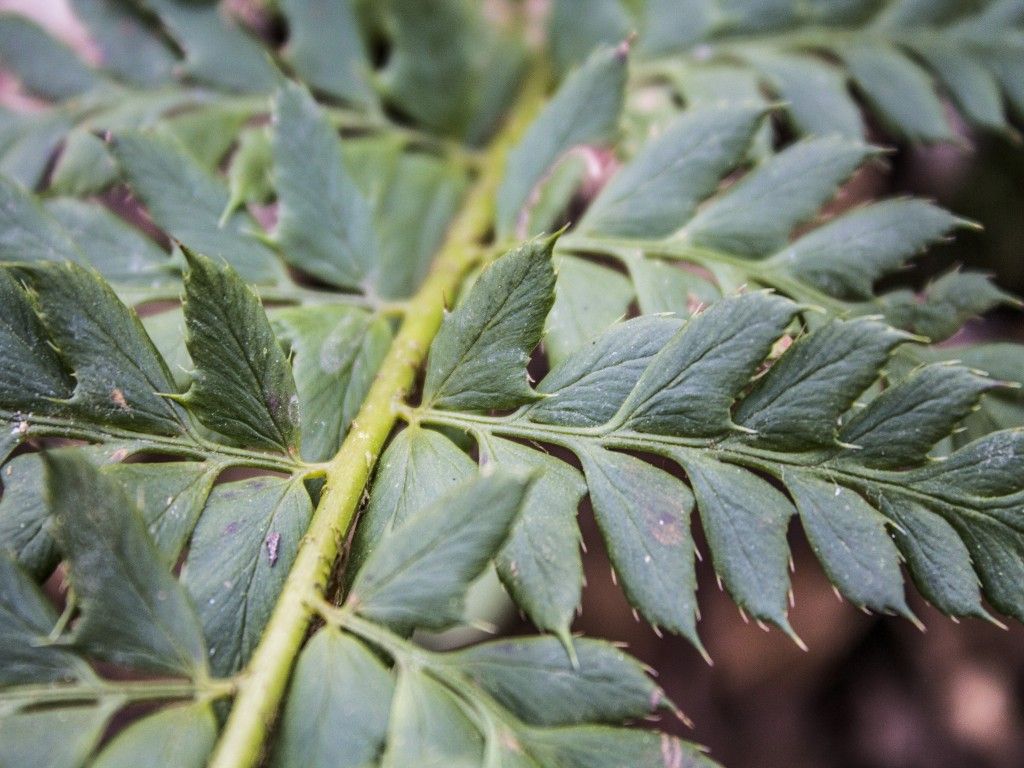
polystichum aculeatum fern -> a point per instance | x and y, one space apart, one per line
194 474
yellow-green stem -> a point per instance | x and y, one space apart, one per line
262 684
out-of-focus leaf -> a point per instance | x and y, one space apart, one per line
588 298
584 111
134 612
338 708
217 50
179 736
186 201
58 738
335 353
43 65
325 225
428 727
322 33
26 618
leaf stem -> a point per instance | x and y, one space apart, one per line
770 276
822 463
262 685
187 445
126 691
395 646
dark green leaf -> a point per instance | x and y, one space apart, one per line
936 556
849 538
797 405
588 388
540 563
689 387
534 678
989 467
240 555
745 521
420 578
120 377
996 546
32 376
799 401
242 385
479 357
900 426
644 514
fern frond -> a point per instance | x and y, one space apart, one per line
853 464
306 207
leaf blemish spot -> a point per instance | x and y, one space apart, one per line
273 543
118 399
